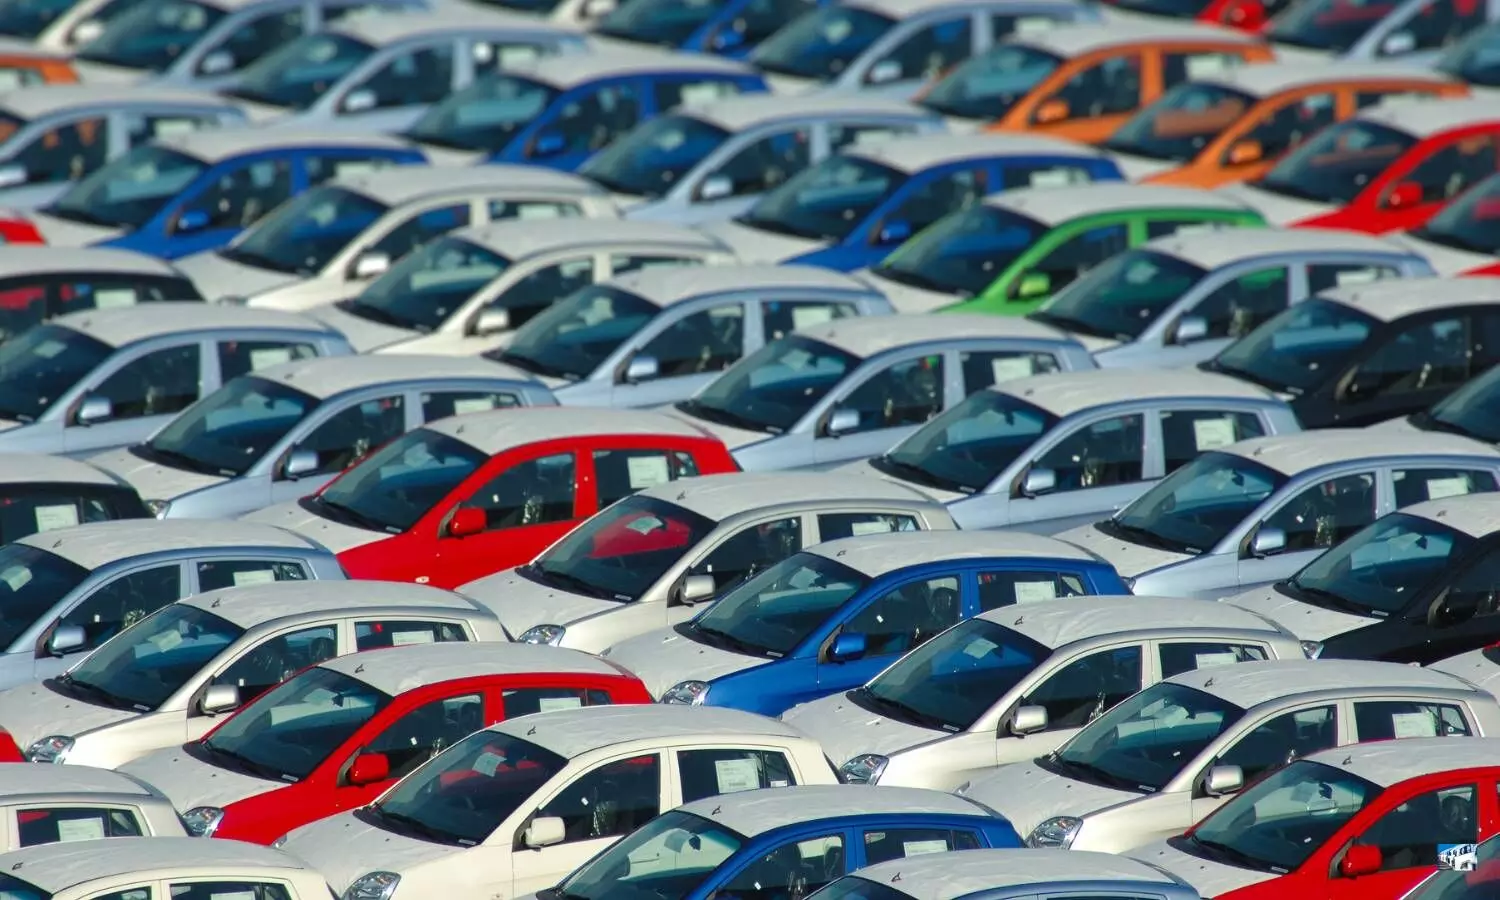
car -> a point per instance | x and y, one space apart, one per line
517 806
80 804
1390 168
892 46
1048 452
282 432
1234 125
1472 58
1015 682
557 112
852 209
808 835
646 561
1461 239
38 284
1011 252
464 497
576 13
711 161
848 389
59 133
829 618
464 293
71 589
1166 757
1400 31
43 493
1084 81
1180 300
169 677
1351 823
181 195
1469 411
732 28
337 735
1462 871
658 335
23 65
133 868
1008 875
88 381
328 243
1242 15
1257 511
1364 353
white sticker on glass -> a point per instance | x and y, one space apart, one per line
165 128
1413 725
80 829
1438 488
518 55
468 405
487 763
1005 368
706 92
1205 66
403 638
1034 25
538 211
346 169
1210 434
232 895
64 515
1356 276
113 298
1035 591
16 577
647 471
49 349
254 576
1204 660
878 526
917 848
270 356
807 316
737 775
552 704
1047 178
167 640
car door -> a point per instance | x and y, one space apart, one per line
1313 518
145 388
1270 744
1410 833
395 93
234 196
688 347
918 52
790 868
404 735
1419 184
883 403
1459 613
1098 465
334 437
897 619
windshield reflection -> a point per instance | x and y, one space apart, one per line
154 658
428 285
301 236
229 431
486 115
967 447
1338 163
1182 122
827 202
621 552
648 160
822 43
964 252
773 388
1197 506
988 85
574 336
1299 348
1378 570
778 609
396 485
1123 296
1470 223
297 75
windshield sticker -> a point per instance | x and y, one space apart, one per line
1035 591
114 298
737 775
1413 725
706 92
49 349
1211 434
60 516
1206 66
1438 488
486 764
647 471
254 576
80 829
16 577
646 525
473 405
167 640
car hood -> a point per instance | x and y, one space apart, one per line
336 536
153 481
31 712
733 438
846 729
1447 260
1278 209
217 278
755 245
363 334
522 604
1029 795
906 298
1306 621
59 232
189 782
665 658
1208 878
1134 168
342 848
1128 559
1474 667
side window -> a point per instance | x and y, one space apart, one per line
751 550
1477 588
935 199
1450 170
845 134
926 53
789 871
532 492
518 702
706 341
765 163
420 76
1438 23
589 122
222 573
95 292
237 358
1326 276
1098 455
1417 485
1292 124
708 773
1179 67
372 634
908 616
161 382
45 509
140 128
1326 513
220 890
241 196
253 40
780 318
983 368
442 404
1413 833
1077 255
1083 689
44 825
66 152
620 473
898 843
1423 356
134 893
832 526
123 602
1010 587
1385 720
420 229
1235 309
759 19
276 659
535 292
614 799
619 264
1186 433
1110 88
1156 228
500 210
1184 656
1017 175
428 730
1281 739
327 166
1003 25
351 432
906 393
676 93
492 55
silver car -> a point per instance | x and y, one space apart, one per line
273 436
44 493
1179 300
1257 511
1008 875
1405 31
659 335
1050 452
847 390
70 590
1469 411
38 283
89 381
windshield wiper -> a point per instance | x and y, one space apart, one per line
375 314
1451 240
1287 189
725 639
892 466
1144 536
572 582
1326 598
78 215
903 710
180 460
110 699
1215 365
1238 857
918 280
536 367
617 186
356 517
414 824
1098 775
1069 323
724 417
778 227
244 762
259 260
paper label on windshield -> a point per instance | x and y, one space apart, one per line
647 471
167 640
1206 66
80 829
1413 725
706 92
1033 25
917 848
16 577
518 55
487 763
49 349
233 895
254 576
1438 488
1210 434
1204 660
1047 178
113 298
271 356
63 515
553 704
165 128
473 405
737 775
807 316
1005 368
645 525
403 638
345 169
879 526
1035 591
538 211
1356 276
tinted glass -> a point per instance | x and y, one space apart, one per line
1338 163
621 552
1299 349
153 35
962 253
988 85
486 115
1194 508
820 45
826 202
301 236
1382 568
1182 122
298 74
773 388
426 287
649 159
228 431
1123 296
127 192
156 656
396 485
773 612
967 447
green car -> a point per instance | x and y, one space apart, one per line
1009 253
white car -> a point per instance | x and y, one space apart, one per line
44 493
80 803
515 807
1009 875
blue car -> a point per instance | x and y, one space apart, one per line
195 192
851 210
732 28
833 616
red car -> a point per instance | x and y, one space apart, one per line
1242 15
1464 238
336 735
468 496
1363 822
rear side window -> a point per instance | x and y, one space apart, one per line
899 843
1008 588
442 404
832 526
1186 433
29 512
1185 656
51 825
988 367
1417 485
216 574
1383 720
237 358
620 473
400 633
526 701
708 773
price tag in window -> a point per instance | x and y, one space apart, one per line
1035 591
49 349
165 128
487 763
270 356
1206 66
254 576
878 526
737 775
707 92
468 405
552 704
806 316
404 638
534 211
646 471
1210 434
917 848
80 829
233 895
1033 25
518 56
347 169
113 298
1356 276
59 516
1438 488
167 640
1205 660
1409 725
16 577
1006 368
1047 178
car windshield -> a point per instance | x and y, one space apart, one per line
967 447
773 388
1299 348
1277 823
826 202
773 612
1477 878
821 44
396 485
1473 410
1182 122
1123 296
486 115
151 660
1378 570
1332 25
666 23
622 551
1198 505
953 679
297 75
31 582
1176 9
29 18
1475 58
1338 162
689 848
229 431
43 364
1470 223
464 793
428 285
1143 742
301 236
574 336
288 731
13 888
988 85
153 35
650 158
964 252
127 192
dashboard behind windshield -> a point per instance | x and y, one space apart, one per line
650 158
42 365
968 446
574 336
31 582
396 485
301 236
1471 222
298 75
153 659
486 115
129 191
231 429
781 607
1385 565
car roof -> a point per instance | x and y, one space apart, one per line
493 431
1086 37
748 110
325 376
1220 247
1433 116
876 554
900 9
396 670
1389 300
34 259
719 497
54 867
1249 684
918 152
215 144
516 239
666 285
40 468
1291 454
572 69
18 780
402 184
1065 393
1477 515
570 732
866 336
254 604
1388 762
1274 77
100 543
1052 206
45 99
1066 620
948 876
383 30
127 324
754 813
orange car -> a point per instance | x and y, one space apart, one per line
1233 127
1082 82
22 65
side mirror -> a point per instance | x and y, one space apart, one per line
547 143
369 768
1360 859
1222 780
93 410
1029 720
1190 329
842 421
299 464
12 175
492 320
544 831
1449 610
65 639
715 187
190 220
1268 542
219 698
641 368
216 63
1054 110
1038 482
894 232
1398 43
1245 152
358 100
884 72
466 520
1403 195
86 31
696 588
1033 285
369 264
847 647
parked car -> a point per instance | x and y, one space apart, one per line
467 496
23 65
1169 755
1406 31
1255 512
731 28
81 804
1462 239
829 618
170 676
1009 875
576 13
1242 15
44 493
1471 410
646 561
1011 684
41 283
1472 57
1463 871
